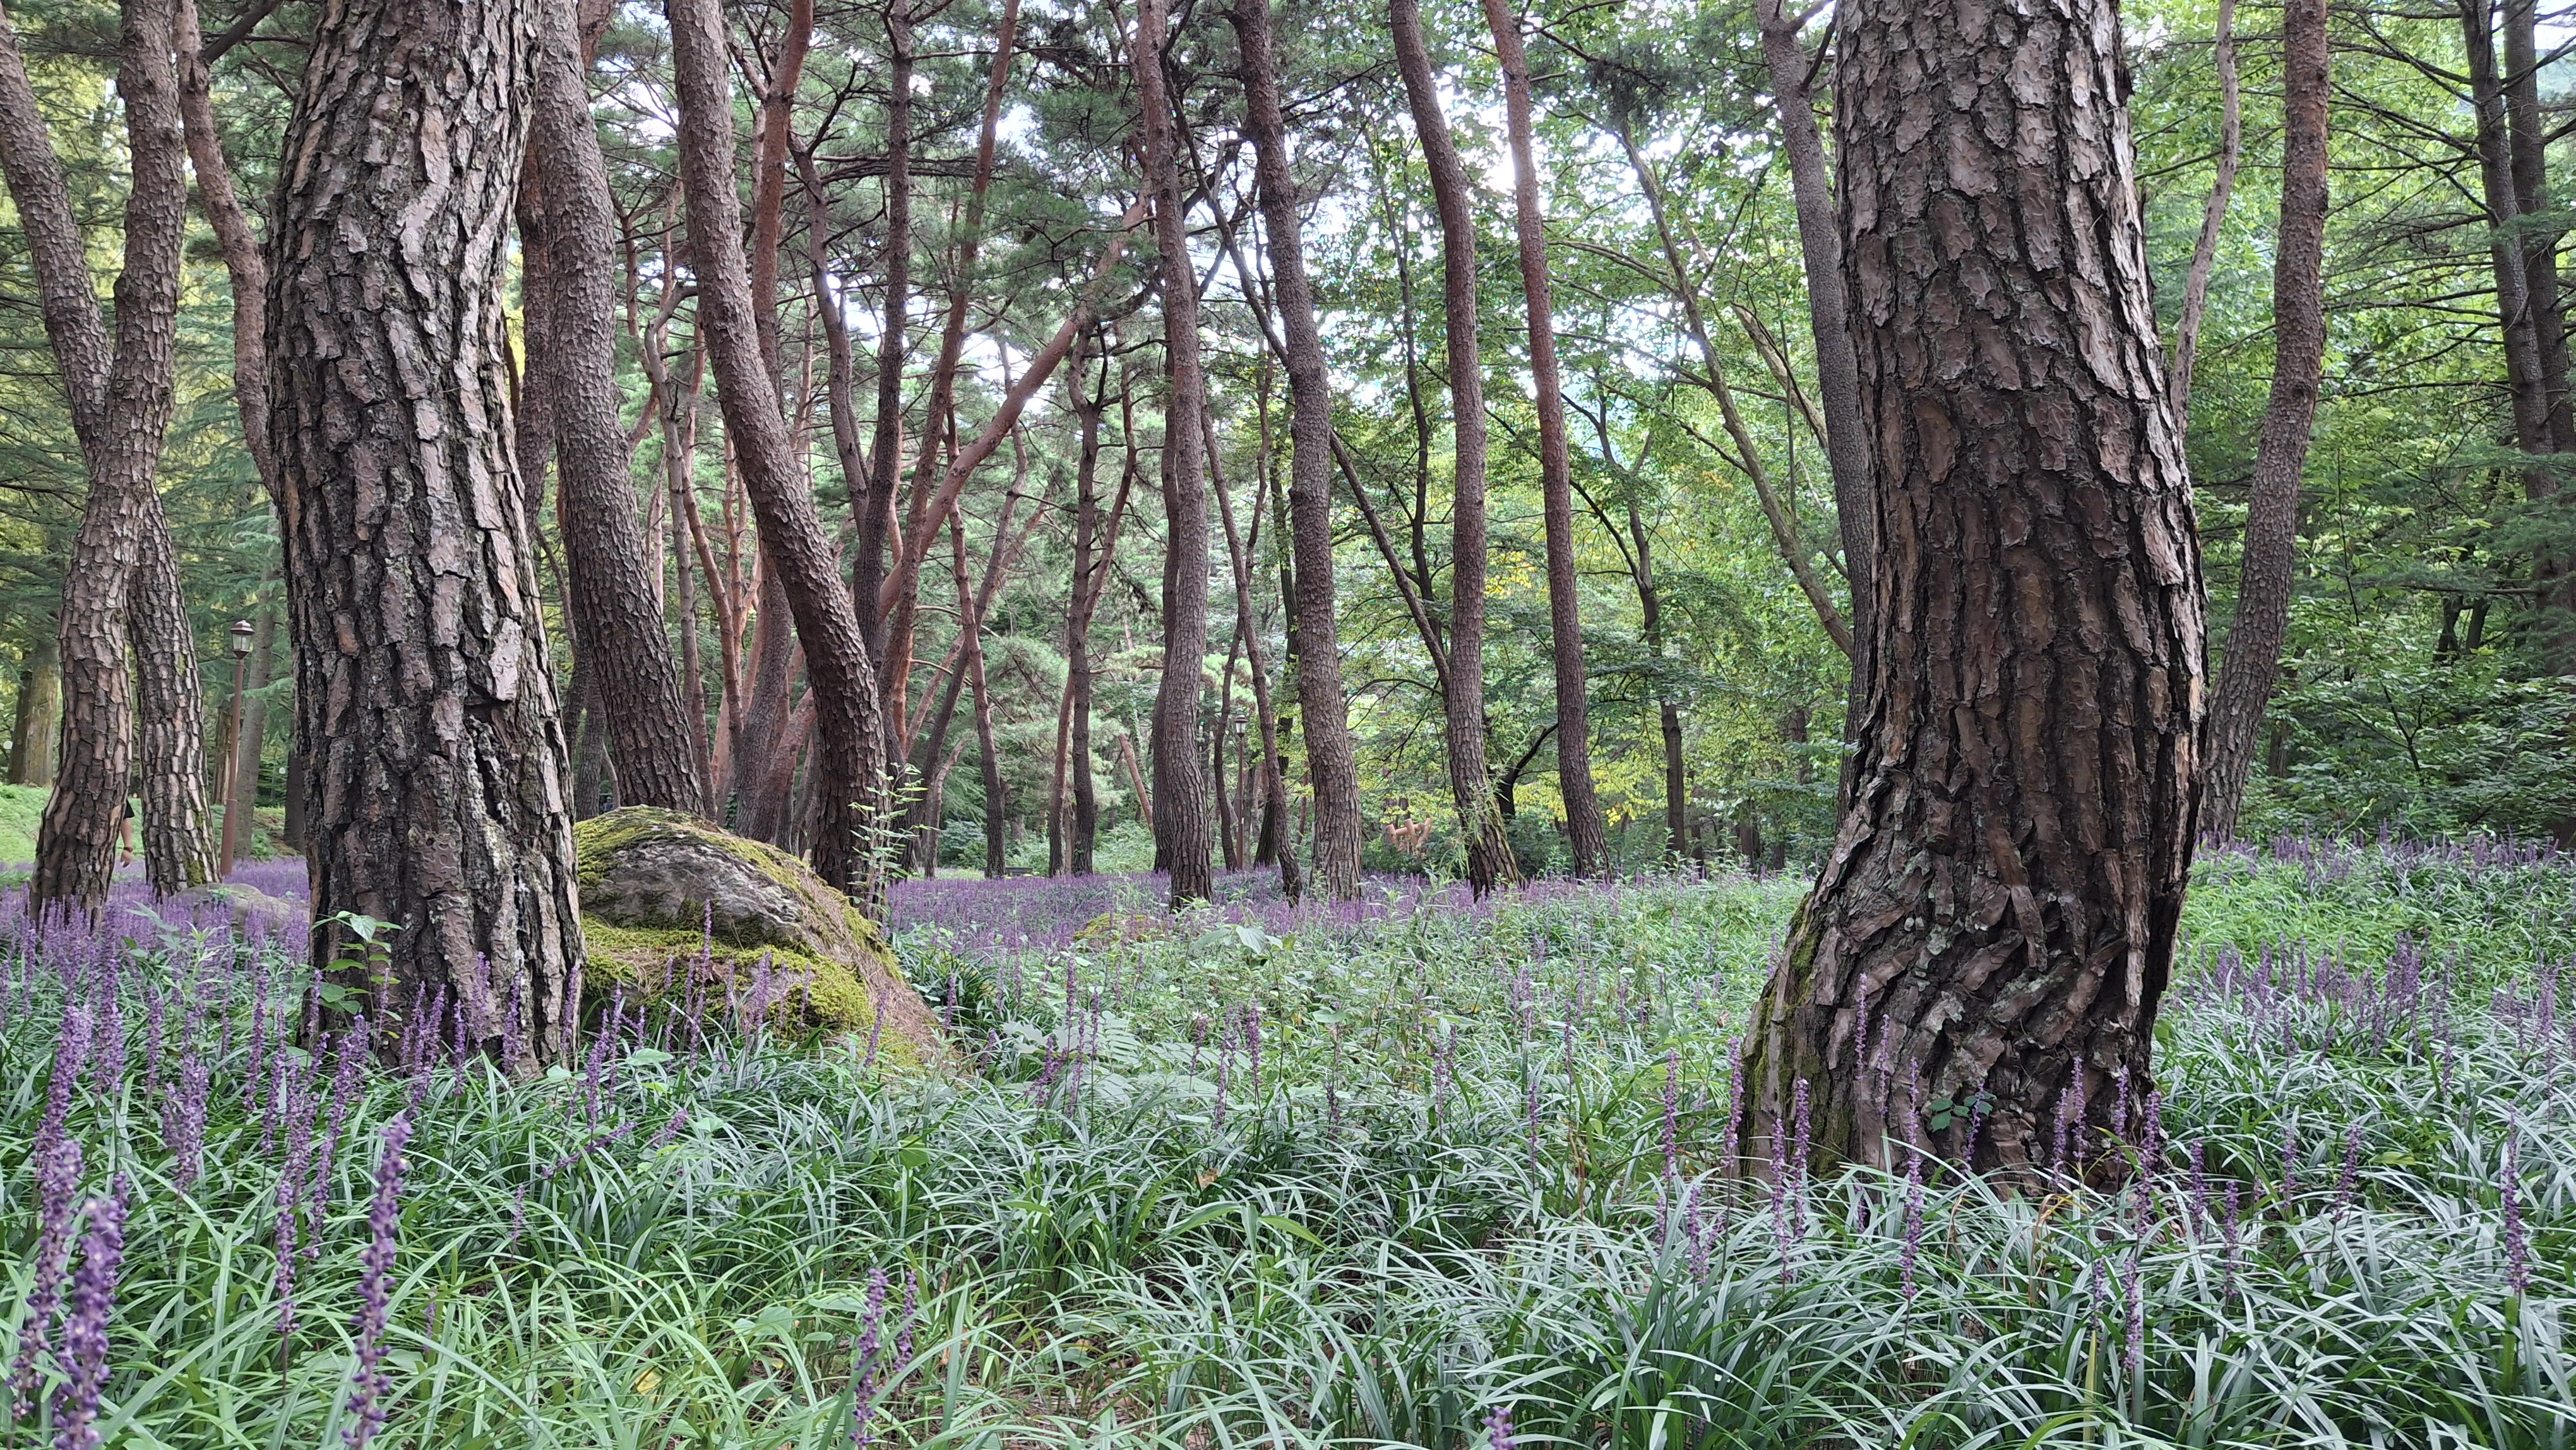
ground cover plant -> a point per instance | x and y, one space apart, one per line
1420 1171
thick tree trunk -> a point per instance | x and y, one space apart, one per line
179 840
2213 217
2253 663
2529 127
38 728
423 691
851 743
1995 923
1321 699
1489 855
762 808
1181 784
121 403
1584 829
616 618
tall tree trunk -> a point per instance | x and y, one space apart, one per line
851 744
423 690
885 450
38 728
1668 712
1087 411
1240 552
762 808
2253 663
120 585
1181 784
2529 127
2001 901
2213 217
1820 248
970 625
249 744
1323 705
1583 824
616 618
2526 366
1489 855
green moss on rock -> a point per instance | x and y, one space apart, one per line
667 897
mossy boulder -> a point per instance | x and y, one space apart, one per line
670 905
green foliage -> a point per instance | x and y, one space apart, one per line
1441 1190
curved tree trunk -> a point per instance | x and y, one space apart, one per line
2253 664
423 692
1584 829
1321 698
1997 914
652 740
851 735
1181 784
1489 854
122 582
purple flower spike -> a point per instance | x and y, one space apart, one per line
85 1331
1498 1428
57 1178
2517 1237
375 1289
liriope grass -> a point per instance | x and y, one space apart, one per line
1444 1189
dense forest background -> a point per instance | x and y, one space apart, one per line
2415 692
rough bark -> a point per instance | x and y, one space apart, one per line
1321 699
423 691
1820 248
2213 217
1181 784
1489 854
1584 829
180 846
653 742
2000 904
851 735
234 235
2253 663
121 401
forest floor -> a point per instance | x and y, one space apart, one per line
1300 1176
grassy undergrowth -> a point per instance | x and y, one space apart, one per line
1306 1177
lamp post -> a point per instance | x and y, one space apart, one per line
241 637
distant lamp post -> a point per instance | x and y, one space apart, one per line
232 765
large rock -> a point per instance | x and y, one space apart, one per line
667 899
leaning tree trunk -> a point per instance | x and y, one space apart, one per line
2253 664
1995 923
1330 765
1584 829
1180 776
121 402
653 741
850 743
423 692
179 843
1489 853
